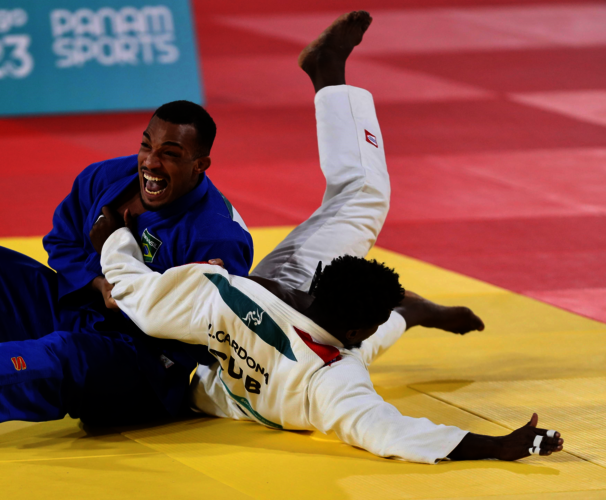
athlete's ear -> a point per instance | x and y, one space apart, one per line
351 335
202 164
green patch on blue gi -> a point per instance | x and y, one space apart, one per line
150 245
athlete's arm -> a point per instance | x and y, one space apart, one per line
414 310
69 251
162 305
386 336
342 399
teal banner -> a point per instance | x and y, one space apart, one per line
62 56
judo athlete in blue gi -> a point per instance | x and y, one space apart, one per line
65 348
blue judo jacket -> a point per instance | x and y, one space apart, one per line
197 227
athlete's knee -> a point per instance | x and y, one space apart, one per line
374 200
382 197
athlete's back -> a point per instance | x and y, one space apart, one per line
276 366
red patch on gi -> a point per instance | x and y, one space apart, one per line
19 363
371 139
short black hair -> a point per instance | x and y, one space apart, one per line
357 293
190 113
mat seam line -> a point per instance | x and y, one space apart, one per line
175 458
496 423
81 457
482 495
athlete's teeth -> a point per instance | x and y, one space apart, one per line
150 178
154 192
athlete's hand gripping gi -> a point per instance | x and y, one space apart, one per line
106 224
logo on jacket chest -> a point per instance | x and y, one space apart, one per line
150 245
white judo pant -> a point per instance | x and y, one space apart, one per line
355 204
357 194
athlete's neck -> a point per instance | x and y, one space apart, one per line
298 300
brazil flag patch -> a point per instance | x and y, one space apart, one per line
150 245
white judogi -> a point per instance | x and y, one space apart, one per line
275 365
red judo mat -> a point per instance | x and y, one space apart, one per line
493 116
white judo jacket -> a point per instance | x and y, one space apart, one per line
276 366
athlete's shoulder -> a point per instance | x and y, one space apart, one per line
327 353
348 371
216 212
118 168
109 171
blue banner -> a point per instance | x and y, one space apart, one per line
59 56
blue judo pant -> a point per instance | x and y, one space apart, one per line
79 361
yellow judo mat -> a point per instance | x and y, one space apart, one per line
531 357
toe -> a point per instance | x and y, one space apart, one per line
361 18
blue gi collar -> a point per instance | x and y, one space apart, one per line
178 206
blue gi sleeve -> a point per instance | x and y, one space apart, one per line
69 249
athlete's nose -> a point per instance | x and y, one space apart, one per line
151 161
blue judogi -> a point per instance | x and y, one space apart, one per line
62 351
197 226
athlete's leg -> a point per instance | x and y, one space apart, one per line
352 159
97 374
356 202
89 376
357 193
28 297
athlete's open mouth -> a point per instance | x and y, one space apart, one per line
154 185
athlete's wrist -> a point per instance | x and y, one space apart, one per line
477 447
98 284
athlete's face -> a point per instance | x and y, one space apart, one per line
352 339
169 163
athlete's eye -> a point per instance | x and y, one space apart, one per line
170 153
145 145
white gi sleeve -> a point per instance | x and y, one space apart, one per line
161 305
342 399
386 336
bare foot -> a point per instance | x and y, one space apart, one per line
458 319
324 58
418 311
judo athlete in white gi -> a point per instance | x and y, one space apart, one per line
283 359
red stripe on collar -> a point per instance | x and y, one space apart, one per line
328 353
